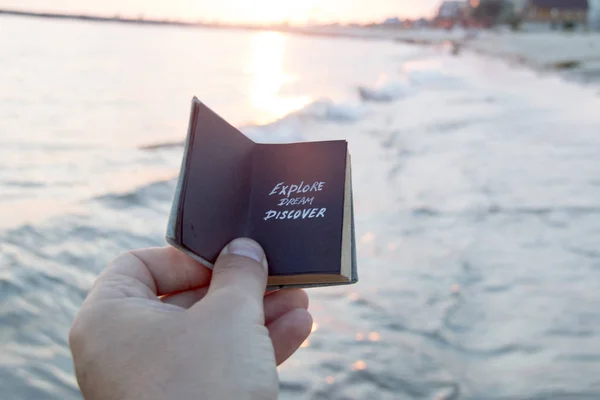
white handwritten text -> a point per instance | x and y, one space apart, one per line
288 190
296 214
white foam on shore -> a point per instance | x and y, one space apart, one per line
290 128
386 91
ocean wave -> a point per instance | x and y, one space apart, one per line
22 183
426 75
160 191
414 76
386 92
327 110
291 128
162 145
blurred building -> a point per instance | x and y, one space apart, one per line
520 5
557 11
420 23
451 9
451 13
392 21
489 12
534 14
594 14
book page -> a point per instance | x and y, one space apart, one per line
216 189
297 206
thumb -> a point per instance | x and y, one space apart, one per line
241 266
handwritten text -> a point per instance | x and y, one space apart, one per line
296 214
287 190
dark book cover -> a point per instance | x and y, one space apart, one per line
294 199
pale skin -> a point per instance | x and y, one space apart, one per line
158 325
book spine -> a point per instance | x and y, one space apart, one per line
173 235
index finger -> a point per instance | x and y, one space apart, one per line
151 272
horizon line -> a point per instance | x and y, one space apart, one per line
183 22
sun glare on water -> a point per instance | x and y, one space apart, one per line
270 77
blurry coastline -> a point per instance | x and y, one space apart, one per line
577 52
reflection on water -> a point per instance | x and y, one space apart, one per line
359 365
368 237
269 78
314 328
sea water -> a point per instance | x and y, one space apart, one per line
476 184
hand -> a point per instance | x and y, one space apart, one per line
158 325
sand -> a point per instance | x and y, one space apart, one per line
577 52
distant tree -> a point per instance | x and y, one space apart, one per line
489 11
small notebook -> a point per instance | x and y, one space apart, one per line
294 199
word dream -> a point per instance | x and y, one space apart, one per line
281 189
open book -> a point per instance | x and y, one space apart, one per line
294 199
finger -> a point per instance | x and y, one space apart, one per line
288 332
275 304
186 299
242 267
284 301
151 272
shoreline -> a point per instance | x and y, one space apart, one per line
575 55
356 32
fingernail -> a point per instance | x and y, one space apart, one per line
247 248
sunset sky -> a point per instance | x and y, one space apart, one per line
294 11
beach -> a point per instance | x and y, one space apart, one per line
577 53
475 176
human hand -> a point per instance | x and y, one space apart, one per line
158 325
